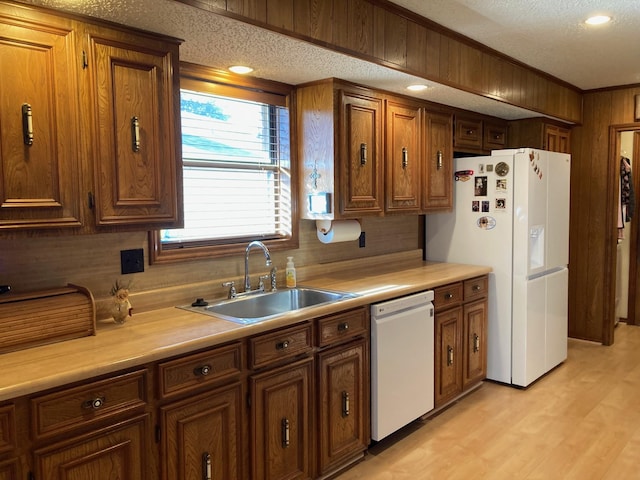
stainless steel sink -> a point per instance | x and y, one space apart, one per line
264 306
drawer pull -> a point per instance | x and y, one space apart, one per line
476 288
449 355
206 466
27 124
345 404
94 403
135 134
343 327
202 371
285 433
363 154
476 343
282 345
470 132
448 296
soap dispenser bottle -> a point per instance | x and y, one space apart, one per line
290 273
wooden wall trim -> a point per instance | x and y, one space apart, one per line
381 32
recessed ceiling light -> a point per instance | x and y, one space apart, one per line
241 69
598 20
417 88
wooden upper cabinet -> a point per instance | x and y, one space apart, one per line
360 158
539 133
39 142
404 156
135 100
437 190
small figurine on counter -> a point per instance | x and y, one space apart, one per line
121 308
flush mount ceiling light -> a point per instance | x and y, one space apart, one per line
241 69
417 88
598 20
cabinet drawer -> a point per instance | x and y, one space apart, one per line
87 404
476 288
447 296
468 133
276 346
7 428
341 327
191 372
495 136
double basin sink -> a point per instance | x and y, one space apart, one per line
258 307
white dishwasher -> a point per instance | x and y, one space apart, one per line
402 362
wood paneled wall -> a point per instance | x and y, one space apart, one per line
594 189
378 31
93 261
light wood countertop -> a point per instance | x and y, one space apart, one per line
166 332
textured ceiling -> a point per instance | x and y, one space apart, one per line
218 41
550 35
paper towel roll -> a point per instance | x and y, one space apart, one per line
340 231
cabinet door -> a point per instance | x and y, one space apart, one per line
137 175
403 160
280 422
557 139
202 436
448 361
119 451
361 171
343 404
475 343
438 181
9 470
39 142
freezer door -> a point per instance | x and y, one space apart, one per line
559 166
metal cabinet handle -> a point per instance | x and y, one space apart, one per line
470 132
476 343
27 124
135 134
363 154
206 466
342 327
282 345
285 433
405 158
345 404
94 403
448 296
476 288
439 162
202 371
449 355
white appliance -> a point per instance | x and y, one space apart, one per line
512 213
402 362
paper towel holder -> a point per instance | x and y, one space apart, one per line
324 226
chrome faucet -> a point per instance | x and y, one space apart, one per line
267 255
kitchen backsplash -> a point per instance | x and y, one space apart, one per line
93 261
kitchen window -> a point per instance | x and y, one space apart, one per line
237 168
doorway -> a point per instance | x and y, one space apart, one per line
627 149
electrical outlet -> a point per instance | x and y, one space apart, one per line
131 261
361 240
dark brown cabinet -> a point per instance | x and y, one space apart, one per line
39 125
540 133
404 156
460 338
202 436
437 185
90 125
479 135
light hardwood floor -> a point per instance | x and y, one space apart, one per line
580 421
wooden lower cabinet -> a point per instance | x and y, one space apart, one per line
280 423
474 362
343 402
119 452
202 436
448 353
460 338
9 470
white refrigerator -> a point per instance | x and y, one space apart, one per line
511 212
